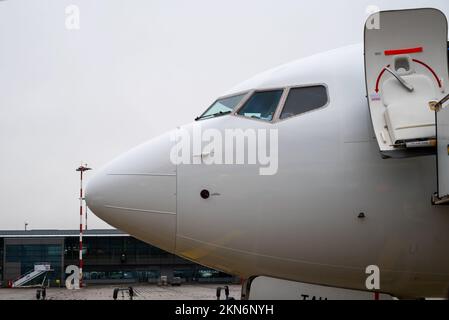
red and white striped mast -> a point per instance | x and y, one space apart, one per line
81 169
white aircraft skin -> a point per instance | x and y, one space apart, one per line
302 223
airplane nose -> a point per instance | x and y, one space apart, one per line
136 193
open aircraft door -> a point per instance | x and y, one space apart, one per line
406 67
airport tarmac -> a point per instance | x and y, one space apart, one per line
141 292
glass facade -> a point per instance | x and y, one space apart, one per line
1 260
202 274
112 249
126 259
107 259
28 255
132 275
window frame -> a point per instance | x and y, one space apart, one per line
279 111
246 94
252 92
281 104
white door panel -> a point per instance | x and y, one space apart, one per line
405 68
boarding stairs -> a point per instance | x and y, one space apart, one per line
37 271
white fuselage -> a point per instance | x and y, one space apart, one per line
302 223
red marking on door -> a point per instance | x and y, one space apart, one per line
403 51
431 70
380 76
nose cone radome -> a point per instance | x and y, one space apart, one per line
136 193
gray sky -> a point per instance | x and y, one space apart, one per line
133 70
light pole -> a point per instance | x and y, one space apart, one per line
85 217
81 170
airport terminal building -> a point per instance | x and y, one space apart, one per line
110 256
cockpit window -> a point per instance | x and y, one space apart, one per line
262 105
303 99
222 106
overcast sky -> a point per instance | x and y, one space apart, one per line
133 70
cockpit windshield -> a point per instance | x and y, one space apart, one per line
222 107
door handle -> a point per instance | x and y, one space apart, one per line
406 85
